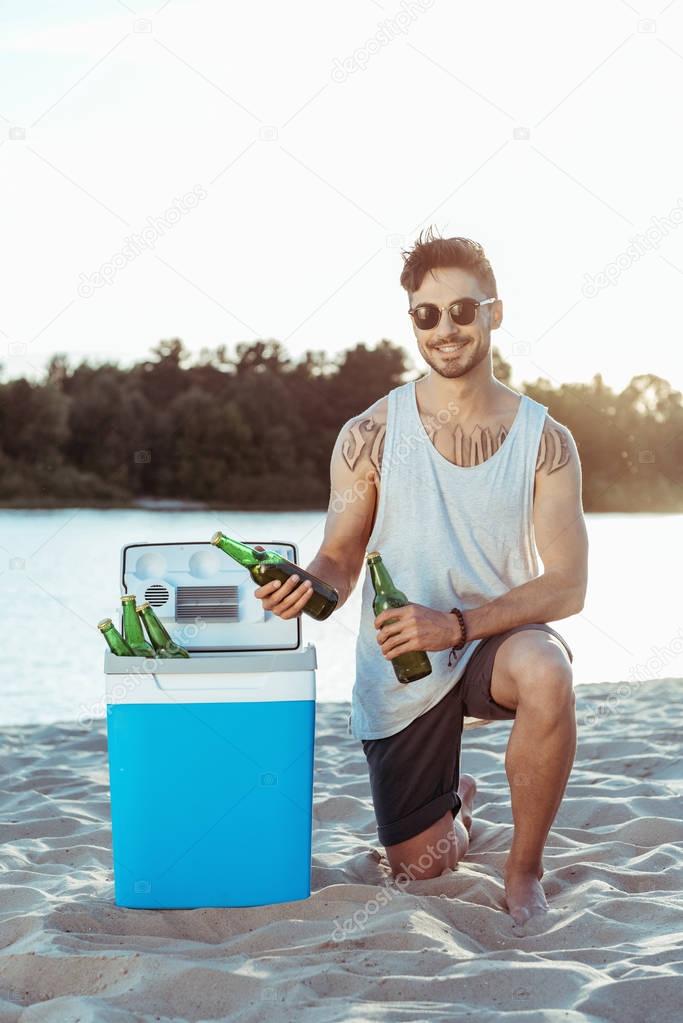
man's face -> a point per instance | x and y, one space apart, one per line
470 343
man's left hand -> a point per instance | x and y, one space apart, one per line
416 628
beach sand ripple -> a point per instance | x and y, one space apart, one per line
361 948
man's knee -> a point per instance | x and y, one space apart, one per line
427 854
537 672
546 682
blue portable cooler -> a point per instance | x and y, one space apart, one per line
211 757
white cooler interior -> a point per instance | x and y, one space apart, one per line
204 598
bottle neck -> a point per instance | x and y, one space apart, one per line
243 554
155 628
132 626
247 556
381 580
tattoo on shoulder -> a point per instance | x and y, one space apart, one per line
365 438
553 451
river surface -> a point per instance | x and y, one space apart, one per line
59 573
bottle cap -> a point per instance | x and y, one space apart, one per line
127 596
216 536
142 606
374 554
104 624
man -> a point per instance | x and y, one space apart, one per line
459 481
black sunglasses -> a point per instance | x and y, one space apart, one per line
427 315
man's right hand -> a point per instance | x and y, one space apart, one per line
286 599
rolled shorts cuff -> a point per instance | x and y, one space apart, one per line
418 821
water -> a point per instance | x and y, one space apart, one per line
59 574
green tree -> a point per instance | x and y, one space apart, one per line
212 443
253 428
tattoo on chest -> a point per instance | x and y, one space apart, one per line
365 439
482 442
476 448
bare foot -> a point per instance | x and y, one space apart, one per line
467 790
524 894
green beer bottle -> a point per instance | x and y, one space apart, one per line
115 640
161 641
263 566
132 628
415 664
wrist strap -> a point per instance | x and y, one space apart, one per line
463 633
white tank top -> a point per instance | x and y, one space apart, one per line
450 536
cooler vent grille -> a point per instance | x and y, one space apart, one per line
212 603
157 595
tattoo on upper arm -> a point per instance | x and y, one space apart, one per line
553 451
365 438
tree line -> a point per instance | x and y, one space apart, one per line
255 429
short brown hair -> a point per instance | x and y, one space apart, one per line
432 252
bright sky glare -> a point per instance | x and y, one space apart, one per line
225 173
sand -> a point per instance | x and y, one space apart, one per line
611 947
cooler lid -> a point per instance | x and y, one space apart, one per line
204 598
223 664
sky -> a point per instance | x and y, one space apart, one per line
224 173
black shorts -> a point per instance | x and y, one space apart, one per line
414 774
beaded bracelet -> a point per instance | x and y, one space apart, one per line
463 632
